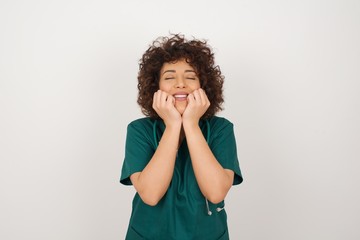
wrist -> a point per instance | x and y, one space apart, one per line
173 125
190 125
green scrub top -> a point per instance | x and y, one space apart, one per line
182 212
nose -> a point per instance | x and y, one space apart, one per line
180 83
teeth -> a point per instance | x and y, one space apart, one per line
180 96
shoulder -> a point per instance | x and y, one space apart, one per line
141 126
141 131
219 122
220 126
142 122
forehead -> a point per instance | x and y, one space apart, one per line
178 66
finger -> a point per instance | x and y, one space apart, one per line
155 100
204 97
197 96
160 94
170 100
191 98
163 97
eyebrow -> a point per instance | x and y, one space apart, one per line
173 71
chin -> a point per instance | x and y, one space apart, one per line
181 108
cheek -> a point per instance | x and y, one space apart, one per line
164 87
195 85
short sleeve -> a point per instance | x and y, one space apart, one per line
223 146
138 149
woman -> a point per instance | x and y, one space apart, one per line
180 158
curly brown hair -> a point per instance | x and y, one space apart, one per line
197 53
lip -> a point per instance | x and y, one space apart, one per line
180 96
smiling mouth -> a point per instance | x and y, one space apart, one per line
180 97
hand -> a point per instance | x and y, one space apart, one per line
197 105
164 105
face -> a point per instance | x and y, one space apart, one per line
178 79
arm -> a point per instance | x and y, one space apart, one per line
153 182
214 181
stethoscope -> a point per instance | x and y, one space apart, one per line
209 212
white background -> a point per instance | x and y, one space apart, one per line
68 90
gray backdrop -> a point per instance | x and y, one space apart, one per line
68 90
